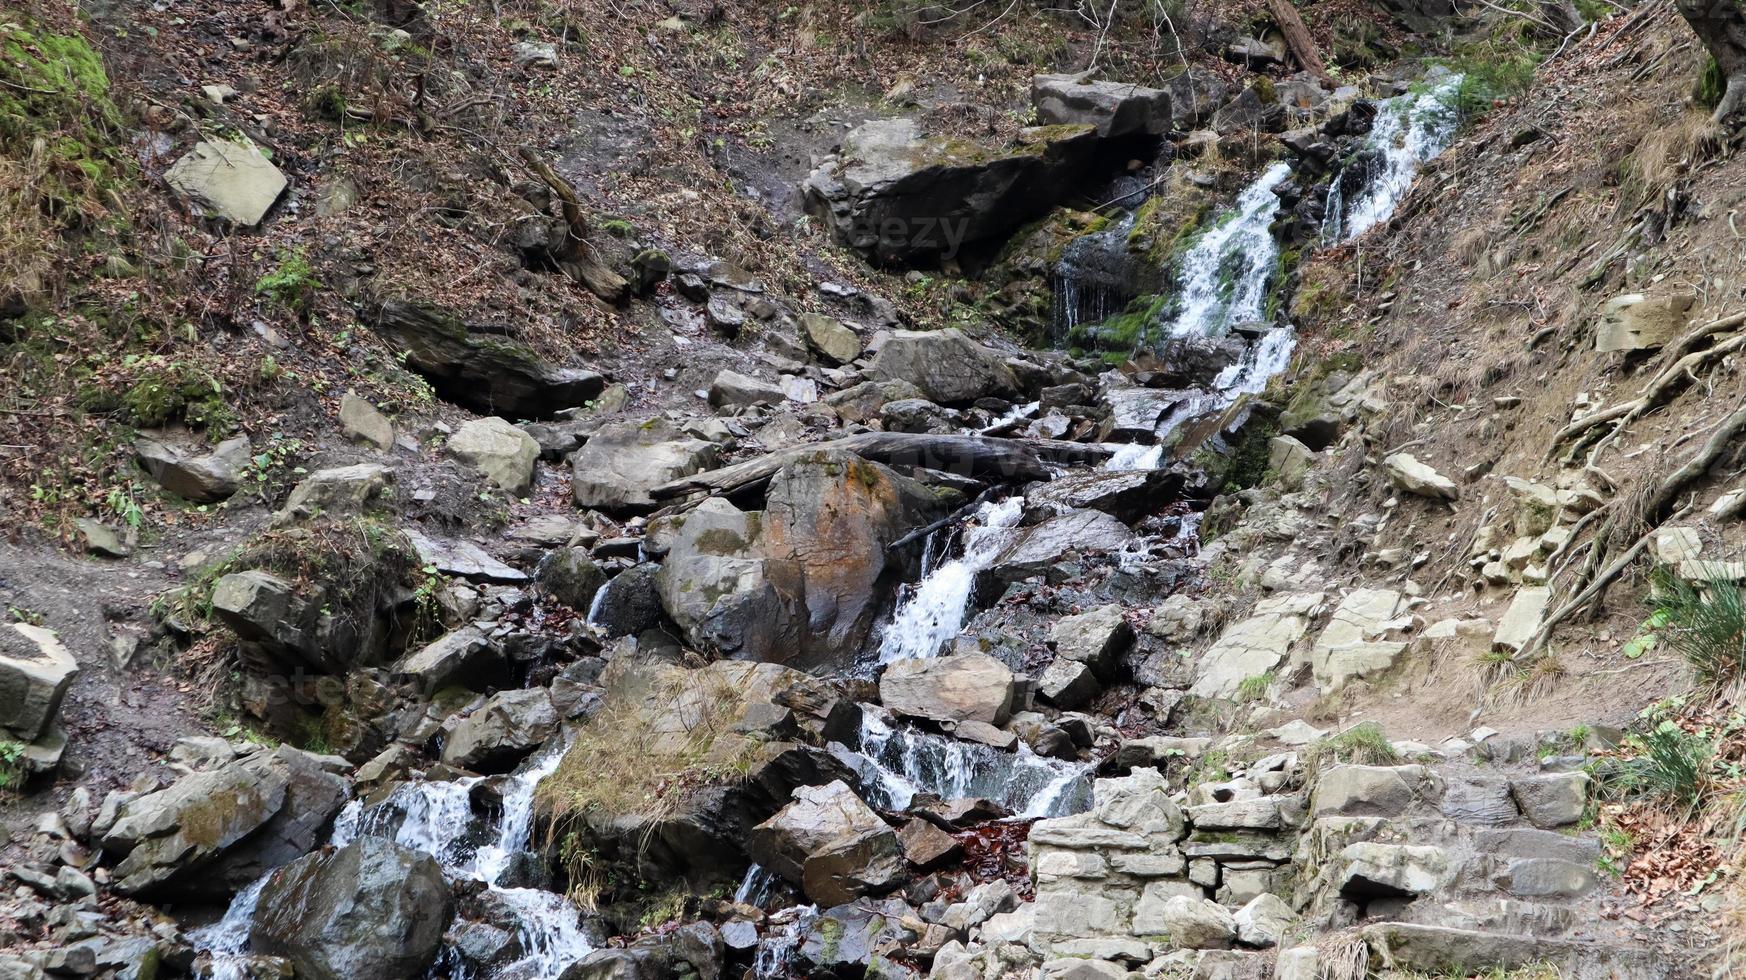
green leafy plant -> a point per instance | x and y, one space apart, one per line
292 283
1671 764
11 765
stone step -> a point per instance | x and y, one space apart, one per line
1446 951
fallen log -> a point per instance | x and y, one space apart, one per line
1005 460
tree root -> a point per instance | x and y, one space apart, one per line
1658 508
1660 389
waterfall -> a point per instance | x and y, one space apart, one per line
227 940
1091 279
436 818
775 957
933 613
1222 279
1409 130
755 886
896 763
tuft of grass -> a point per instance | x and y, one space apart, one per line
1670 764
1705 624
1255 688
646 757
1363 744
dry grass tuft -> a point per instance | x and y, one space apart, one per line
644 757
1666 153
27 241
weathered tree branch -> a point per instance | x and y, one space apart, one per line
579 258
1297 38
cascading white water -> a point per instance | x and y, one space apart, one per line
1409 130
897 763
933 613
1222 278
436 818
227 940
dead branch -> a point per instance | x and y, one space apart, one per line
1298 39
579 258
1006 460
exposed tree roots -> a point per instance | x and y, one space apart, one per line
1685 359
1657 506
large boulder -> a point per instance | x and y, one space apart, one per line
502 731
905 198
629 602
370 909
1637 322
845 939
1037 549
1350 647
831 844
502 453
571 576
833 341
211 833
1368 870
621 463
1253 646
287 625
202 478
1113 108
1406 472
694 950
1126 495
481 370
804 580
336 491
1096 638
1187 922
228 179
692 726
731 389
464 656
945 365
964 687
35 672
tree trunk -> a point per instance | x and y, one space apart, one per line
1563 15
1297 38
1721 26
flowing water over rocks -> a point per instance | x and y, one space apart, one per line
1409 130
867 646
437 818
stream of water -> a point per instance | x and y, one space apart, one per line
1222 281
933 613
1409 130
436 818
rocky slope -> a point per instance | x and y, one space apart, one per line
698 490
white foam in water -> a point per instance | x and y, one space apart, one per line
227 940
1134 456
1223 275
1409 130
436 818
898 763
934 613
